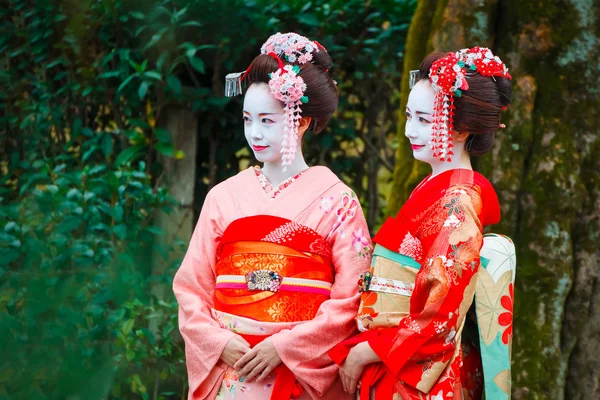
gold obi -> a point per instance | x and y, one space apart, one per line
386 290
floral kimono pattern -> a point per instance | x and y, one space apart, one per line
438 236
311 233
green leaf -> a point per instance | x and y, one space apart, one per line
176 16
206 46
153 75
117 213
59 168
143 89
96 169
163 375
306 7
192 23
107 145
8 255
191 52
109 74
129 154
309 19
125 82
88 195
162 135
73 193
174 84
69 224
161 60
155 38
165 149
186 45
120 231
137 15
197 63
10 226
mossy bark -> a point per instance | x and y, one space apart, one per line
545 167
416 50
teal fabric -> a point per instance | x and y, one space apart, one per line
381 251
495 357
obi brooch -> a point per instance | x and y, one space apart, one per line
364 281
263 280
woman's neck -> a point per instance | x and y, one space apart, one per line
275 173
461 161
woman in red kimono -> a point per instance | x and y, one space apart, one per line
268 284
415 298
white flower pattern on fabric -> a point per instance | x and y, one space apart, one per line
411 247
411 324
450 337
440 327
452 222
326 204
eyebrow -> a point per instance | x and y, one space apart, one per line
261 114
419 112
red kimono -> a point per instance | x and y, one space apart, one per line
439 229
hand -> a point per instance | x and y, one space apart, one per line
354 365
258 362
235 349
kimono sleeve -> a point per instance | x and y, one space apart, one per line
194 286
304 348
419 350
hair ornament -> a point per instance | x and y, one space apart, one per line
285 84
448 77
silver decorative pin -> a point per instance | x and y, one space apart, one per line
233 84
412 78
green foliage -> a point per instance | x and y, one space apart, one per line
83 90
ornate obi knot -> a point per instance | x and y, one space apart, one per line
263 280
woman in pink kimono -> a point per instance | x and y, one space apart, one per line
268 284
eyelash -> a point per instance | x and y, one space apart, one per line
264 120
421 119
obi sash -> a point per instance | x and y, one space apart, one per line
272 270
386 300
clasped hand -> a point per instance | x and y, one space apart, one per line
257 363
353 367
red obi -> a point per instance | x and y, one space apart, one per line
272 269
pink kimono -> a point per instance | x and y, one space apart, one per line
316 242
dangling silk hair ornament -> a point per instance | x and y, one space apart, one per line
448 77
285 84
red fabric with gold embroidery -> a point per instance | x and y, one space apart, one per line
422 358
274 244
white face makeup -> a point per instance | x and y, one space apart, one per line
263 123
419 114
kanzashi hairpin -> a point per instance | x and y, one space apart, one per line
448 76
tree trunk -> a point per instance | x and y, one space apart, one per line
546 170
180 179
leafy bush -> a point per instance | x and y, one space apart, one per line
84 89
